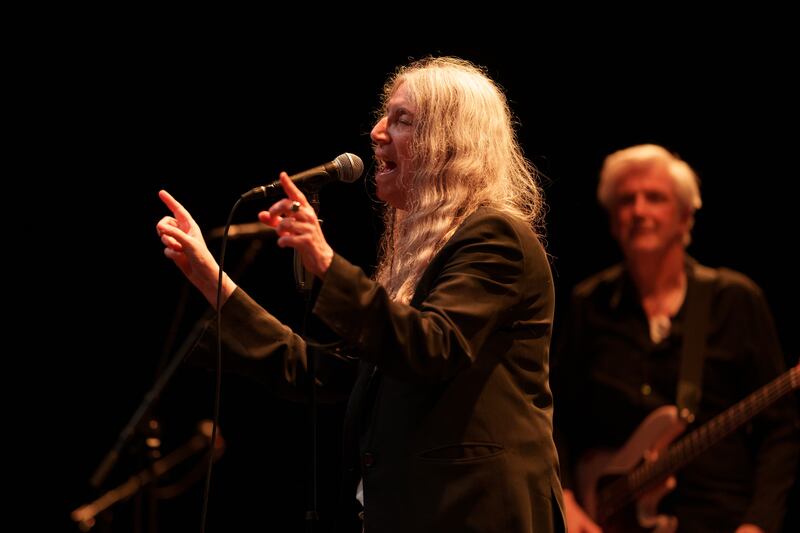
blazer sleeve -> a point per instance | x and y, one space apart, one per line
485 273
257 345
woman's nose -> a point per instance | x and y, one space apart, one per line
379 133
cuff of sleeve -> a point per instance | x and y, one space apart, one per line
339 303
240 309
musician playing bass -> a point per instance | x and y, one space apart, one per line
634 330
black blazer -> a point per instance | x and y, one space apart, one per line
449 424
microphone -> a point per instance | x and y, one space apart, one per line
346 167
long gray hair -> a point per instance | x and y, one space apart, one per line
466 153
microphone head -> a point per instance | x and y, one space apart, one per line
349 167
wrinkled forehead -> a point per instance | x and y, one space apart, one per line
400 97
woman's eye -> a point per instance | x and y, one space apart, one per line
405 119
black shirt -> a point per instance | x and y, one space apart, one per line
609 374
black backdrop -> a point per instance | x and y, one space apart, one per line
208 122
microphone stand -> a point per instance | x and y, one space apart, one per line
102 471
127 433
104 468
305 281
85 515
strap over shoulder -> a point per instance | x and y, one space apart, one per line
702 280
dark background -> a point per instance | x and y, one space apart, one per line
209 121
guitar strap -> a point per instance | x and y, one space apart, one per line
694 341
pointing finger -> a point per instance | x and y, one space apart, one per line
175 206
291 189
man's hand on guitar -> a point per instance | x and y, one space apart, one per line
577 519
